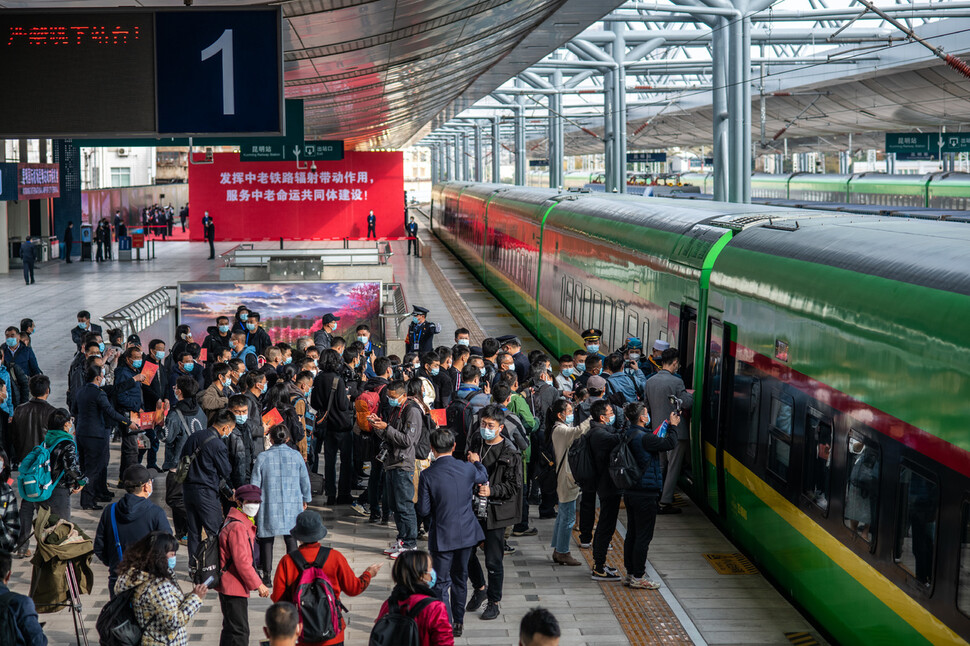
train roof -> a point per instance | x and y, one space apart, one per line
920 252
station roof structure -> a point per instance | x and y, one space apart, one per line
374 72
822 70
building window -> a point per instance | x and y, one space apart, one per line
120 177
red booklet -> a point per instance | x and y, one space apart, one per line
203 354
147 420
438 416
149 369
273 418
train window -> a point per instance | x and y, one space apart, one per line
862 486
645 337
632 323
752 420
963 577
917 505
818 451
779 436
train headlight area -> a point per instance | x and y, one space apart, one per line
828 355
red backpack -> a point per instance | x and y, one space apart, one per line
366 404
315 599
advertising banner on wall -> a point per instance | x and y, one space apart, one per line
287 311
270 200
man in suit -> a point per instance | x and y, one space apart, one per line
84 326
658 391
412 230
445 494
371 225
68 241
512 345
28 255
91 407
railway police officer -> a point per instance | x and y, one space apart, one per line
421 332
591 339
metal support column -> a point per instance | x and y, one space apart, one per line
557 160
735 109
744 156
520 152
433 150
479 171
719 56
496 149
466 158
609 137
619 105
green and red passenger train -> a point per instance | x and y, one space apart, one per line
831 357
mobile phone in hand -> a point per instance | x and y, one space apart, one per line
209 581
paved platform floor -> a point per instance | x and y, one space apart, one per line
706 603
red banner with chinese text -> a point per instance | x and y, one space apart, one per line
257 200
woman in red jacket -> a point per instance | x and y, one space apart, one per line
413 579
239 575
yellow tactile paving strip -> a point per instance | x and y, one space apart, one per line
734 563
644 614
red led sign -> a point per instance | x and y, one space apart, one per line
38 180
118 35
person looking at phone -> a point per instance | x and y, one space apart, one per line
161 609
239 577
661 391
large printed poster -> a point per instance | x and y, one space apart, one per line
287 310
271 200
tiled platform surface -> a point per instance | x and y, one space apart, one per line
711 601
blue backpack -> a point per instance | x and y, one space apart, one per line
35 482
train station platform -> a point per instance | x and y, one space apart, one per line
698 603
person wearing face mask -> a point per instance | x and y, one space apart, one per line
413 595
562 430
16 352
207 478
520 361
603 438
125 522
243 352
624 381
652 365
462 337
566 380
183 365
158 388
430 372
504 492
323 338
160 608
591 340
75 373
239 321
62 445
129 399
183 337
84 326
184 419
420 337
460 355
216 396
237 541
372 348
218 336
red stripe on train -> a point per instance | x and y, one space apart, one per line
933 447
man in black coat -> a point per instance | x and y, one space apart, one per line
210 235
84 325
91 407
134 516
68 241
28 255
208 477
421 332
603 438
323 337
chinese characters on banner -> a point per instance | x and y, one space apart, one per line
257 200
38 180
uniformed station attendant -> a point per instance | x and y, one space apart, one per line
421 332
591 339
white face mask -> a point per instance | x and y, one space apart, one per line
250 509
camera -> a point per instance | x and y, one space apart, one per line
480 507
382 454
677 403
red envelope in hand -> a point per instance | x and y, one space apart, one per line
273 418
438 416
203 354
149 369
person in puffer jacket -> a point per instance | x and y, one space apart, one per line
239 577
641 500
161 609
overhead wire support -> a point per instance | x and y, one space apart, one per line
956 63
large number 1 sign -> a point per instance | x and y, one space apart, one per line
224 46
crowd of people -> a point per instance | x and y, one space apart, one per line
452 445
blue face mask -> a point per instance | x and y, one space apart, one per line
82 325
251 327
223 328
393 403
414 319
463 342
242 419
288 360
482 370
243 316
136 364
567 372
160 354
580 369
570 418
100 347
263 387
188 367
12 341
593 348
308 393
362 339
434 578
227 382
171 562
611 420
488 434
435 371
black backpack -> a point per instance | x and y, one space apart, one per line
205 562
458 416
423 446
116 623
581 462
625 472
399 627
8 622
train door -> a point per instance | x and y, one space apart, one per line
687 338
718 369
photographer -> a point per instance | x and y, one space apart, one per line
445 494
660 389
504 492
